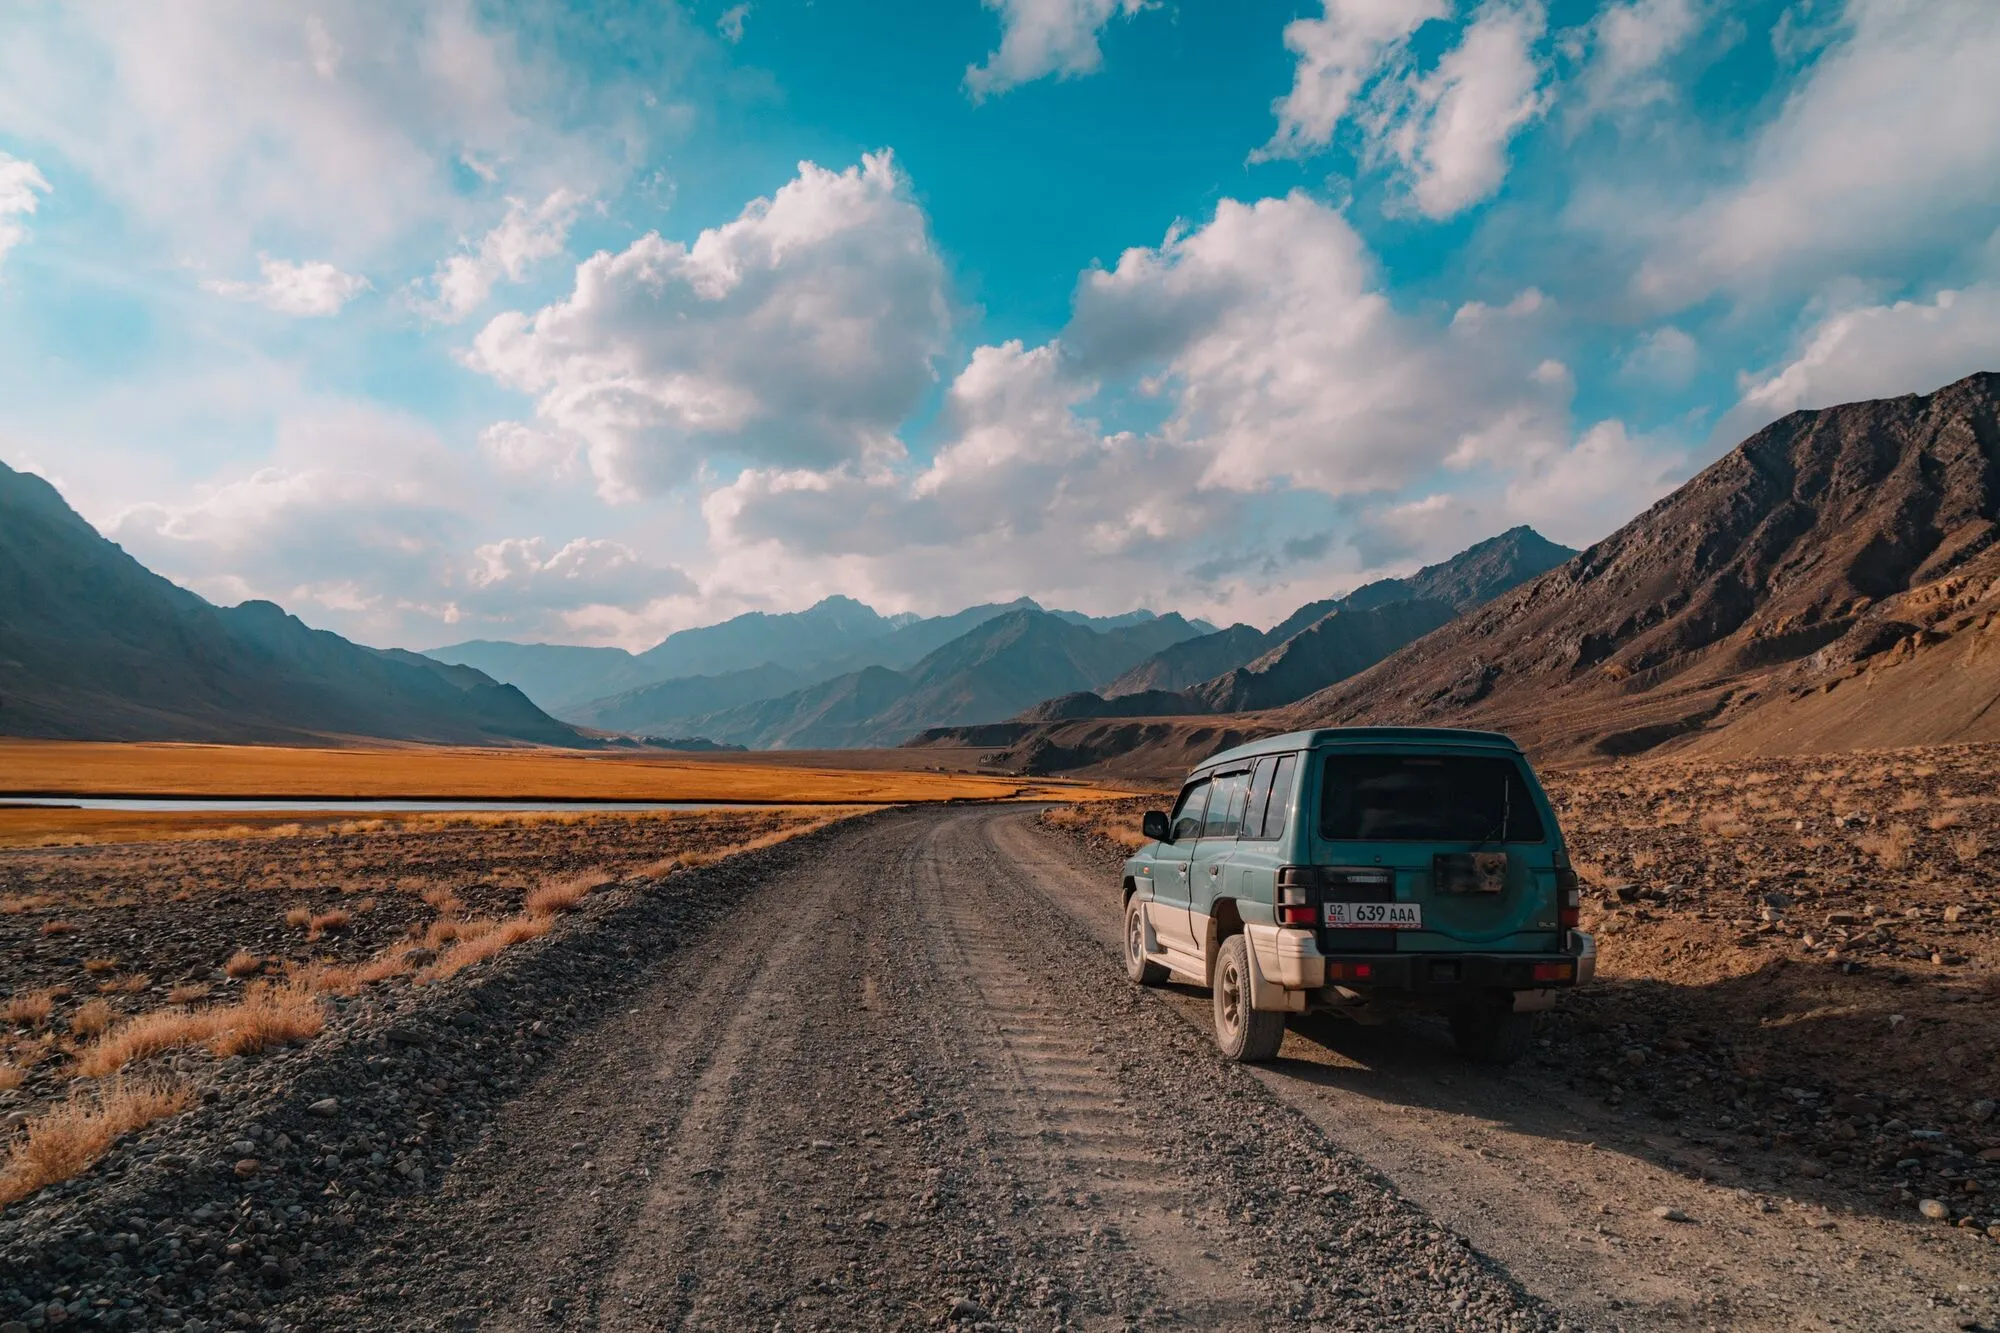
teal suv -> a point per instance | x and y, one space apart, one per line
1364 871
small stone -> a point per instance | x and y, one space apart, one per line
1954 913
1635 1057
327 1106
1666 1214
1811 1168
966 1310
1981 1111
1934 1209
247 1167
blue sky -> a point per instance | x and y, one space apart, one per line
437 320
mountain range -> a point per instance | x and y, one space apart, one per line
93 645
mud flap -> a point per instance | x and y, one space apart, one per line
1268 996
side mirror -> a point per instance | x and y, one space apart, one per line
1155 826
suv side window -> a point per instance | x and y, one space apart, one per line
1279 808
1188 810
1225 804
1260 796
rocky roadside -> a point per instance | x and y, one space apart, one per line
204 1220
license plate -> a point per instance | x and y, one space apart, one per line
1373 916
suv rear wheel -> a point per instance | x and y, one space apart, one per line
1491 1033
1136 965
1246 1035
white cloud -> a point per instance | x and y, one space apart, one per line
233 123
1287 360
1339 53
1628 43
1666 355
526 234
1043 37
1886 150
730 25
520 573
305 288
1450 129
1877 351
19 180
801 333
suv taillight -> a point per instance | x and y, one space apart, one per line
1569 895
1296 885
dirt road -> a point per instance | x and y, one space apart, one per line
910 1088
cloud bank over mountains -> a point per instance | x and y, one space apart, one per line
482 332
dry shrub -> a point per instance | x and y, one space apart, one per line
562 895
63 1141
131 985
266 1016
1943 820
443 901
188 992
1892 846
336 920
1908 801
299 917
366 904
11 1076
392 962
441 933
243 963
91 1018
28 1008
1967 846
96 965
490 940
13 904
54 928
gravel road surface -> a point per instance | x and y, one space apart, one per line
905 1089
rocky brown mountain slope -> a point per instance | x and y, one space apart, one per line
1846 551
93 645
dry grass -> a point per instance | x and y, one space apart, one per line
1943 820
94 966
489 939
391 962
91 1018
562 895
27 1009
188 992
95 768
300 917
323 923
266 1016
243 963
131 985
64 1141
11 1076
1891 846
51 929
1967 846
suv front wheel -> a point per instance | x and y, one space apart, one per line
1246 1035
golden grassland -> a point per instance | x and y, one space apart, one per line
104 768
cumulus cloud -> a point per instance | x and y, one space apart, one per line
1339 53
521 573
801 333
223 123
1449 129
306 287
1286 359
730 25
1627 44
1043 37
1666 355
528 233
1877 351
1886 149
19 180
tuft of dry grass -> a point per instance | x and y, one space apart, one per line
51 929
266 1016
131 985
243 963
188 992
300 917
29 1008
63 1142
1891 846
1943 820
391 962
1967 846
11 1076
562 895
489 939
94 966
91 1017
336 920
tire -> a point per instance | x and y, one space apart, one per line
1492 1035
1245 1035
1137 968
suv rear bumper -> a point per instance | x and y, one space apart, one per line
1291 959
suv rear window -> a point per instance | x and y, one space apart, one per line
1426 798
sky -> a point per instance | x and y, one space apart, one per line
433 320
